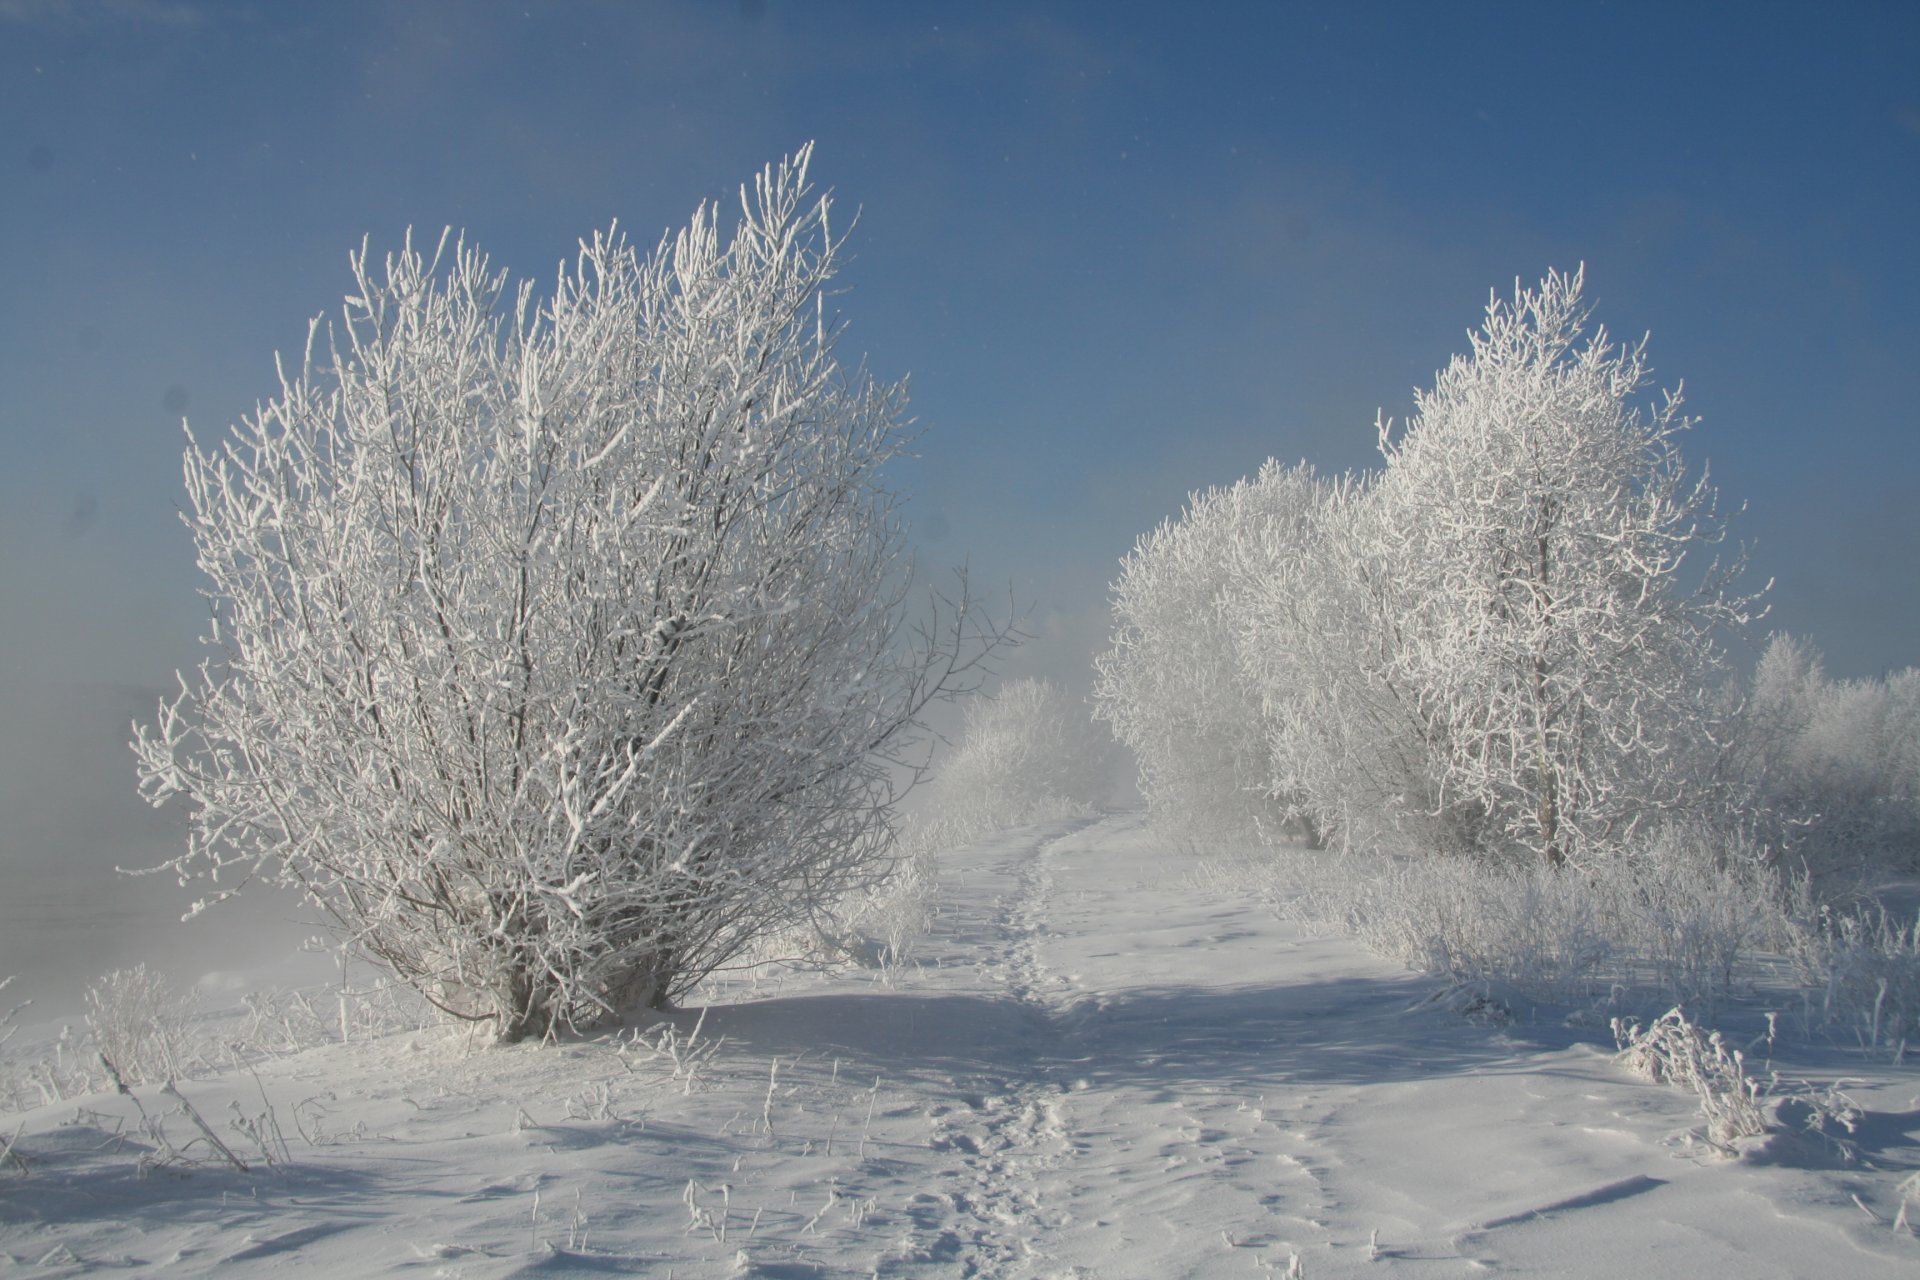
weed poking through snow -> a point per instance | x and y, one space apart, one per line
1673 1051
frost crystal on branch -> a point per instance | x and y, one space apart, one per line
562 645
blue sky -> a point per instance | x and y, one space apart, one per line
1124 251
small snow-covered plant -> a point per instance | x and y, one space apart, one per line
261 1129
275 1022
1909 1211
37 1075
685 1056
707 1217
10 1156
563 645
1673 1051
165 1151
139 1026
879 927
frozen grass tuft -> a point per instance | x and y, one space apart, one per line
1674 1051
150 1035
663 1047
1678 914
7 1027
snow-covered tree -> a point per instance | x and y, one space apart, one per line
1027 754
1502 641
1540 525
1834 765
1246 668
1317 621
562 645
1173 686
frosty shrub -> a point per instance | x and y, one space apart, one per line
1863 970
1027 754
1678 915
1692 907
1352 753
1468 922
1171 687
562 644
139 1025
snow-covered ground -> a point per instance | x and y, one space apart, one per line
1104 1068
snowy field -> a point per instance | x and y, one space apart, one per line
1104 1066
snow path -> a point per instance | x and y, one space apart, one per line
1103 1069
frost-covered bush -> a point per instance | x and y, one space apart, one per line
1246 672
134 1021
1672 1050
1679 913
1693 906
139 1025
1461 920
1863 969
561 644
1352 754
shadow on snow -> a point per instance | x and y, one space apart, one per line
1352 1031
